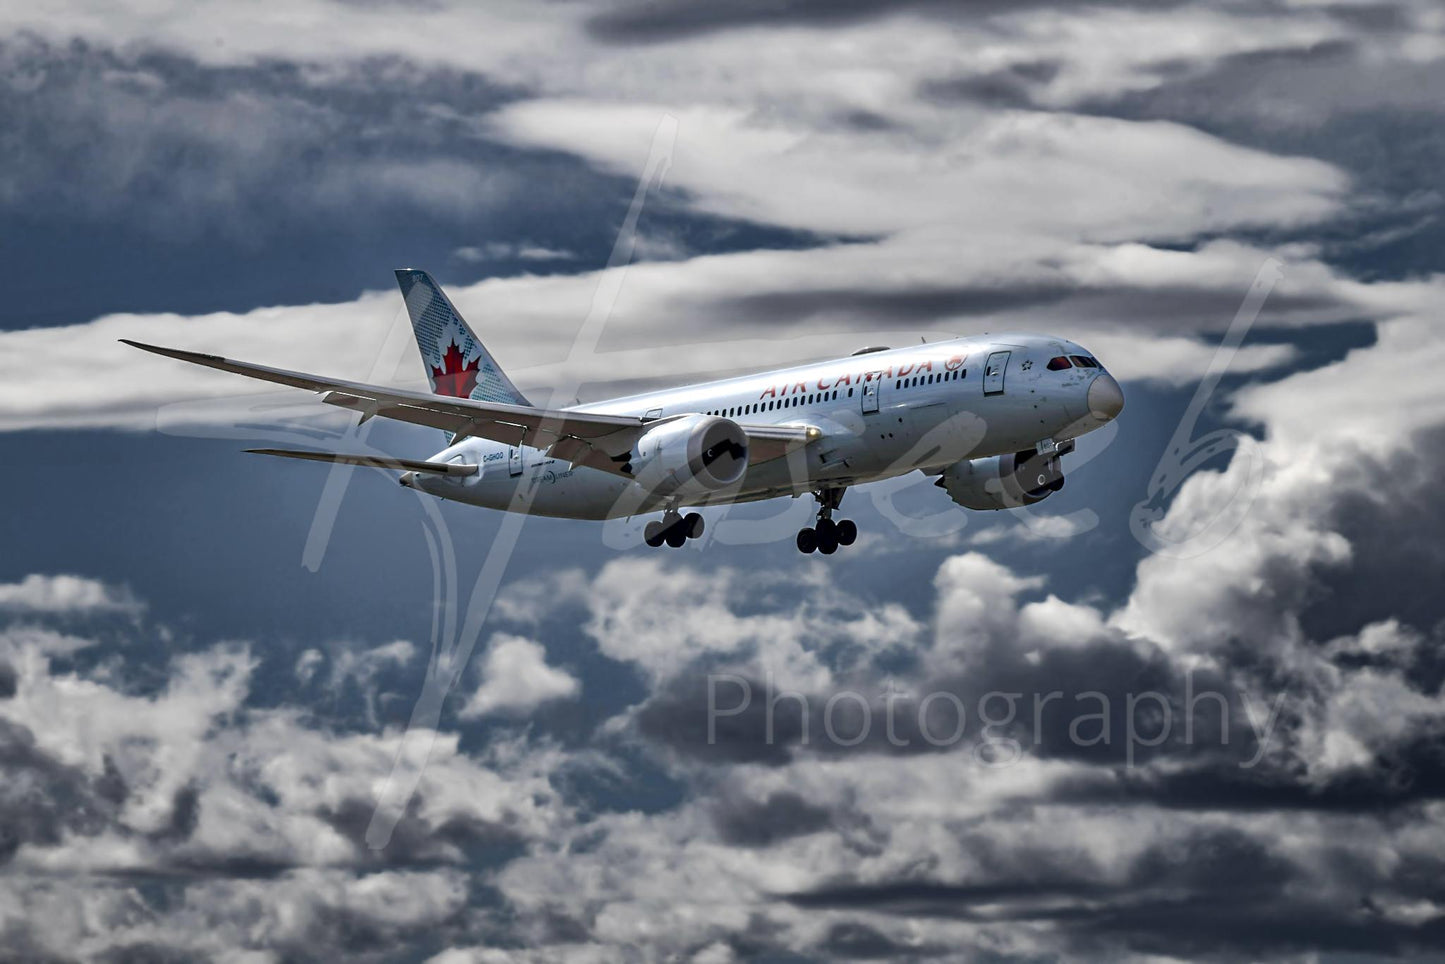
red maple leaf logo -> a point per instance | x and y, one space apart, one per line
456 377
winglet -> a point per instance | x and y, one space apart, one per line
191 356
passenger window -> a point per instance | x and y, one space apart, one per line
1058 363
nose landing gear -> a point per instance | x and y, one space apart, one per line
673 529
826 535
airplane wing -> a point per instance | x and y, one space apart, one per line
583 438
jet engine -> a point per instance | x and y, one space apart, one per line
1003 481
693 454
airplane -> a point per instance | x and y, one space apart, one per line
990 416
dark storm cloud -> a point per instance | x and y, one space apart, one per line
143 180
857 941
1217 891
748 823
416 843
1393 517
902 307
1380 120
1170 307
156 134
663 20
1407 774
1023 877
42 799
1088 729
1013 86
744 822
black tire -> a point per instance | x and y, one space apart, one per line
1057 484
692 524
826 529
676 536
828 540
847 532
807 540
652 533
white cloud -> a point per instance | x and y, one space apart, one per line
1320 427
664 618
66 594
1022 173
1027 527
516 679
502 251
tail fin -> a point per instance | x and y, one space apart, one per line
456 361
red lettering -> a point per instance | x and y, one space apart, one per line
770 392
903 370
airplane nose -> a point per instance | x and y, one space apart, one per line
1106 398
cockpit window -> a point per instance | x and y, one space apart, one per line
1084 361
1058 363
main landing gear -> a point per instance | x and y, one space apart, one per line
673 529
826 535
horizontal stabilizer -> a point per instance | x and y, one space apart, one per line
375 462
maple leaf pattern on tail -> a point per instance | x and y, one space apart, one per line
456 377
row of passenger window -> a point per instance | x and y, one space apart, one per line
793 402
1059 362
933 379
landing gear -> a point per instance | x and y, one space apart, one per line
826 535
673 529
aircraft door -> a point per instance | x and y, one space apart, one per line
870 395
993 372
514 460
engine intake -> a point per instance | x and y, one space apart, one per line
696 453
1003 481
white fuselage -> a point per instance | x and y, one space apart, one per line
882 414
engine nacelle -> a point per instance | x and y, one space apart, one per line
1003 481
696 453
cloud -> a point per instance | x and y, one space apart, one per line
67 595
502 251
1019 165
251 819
214 802
516 679
528 322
